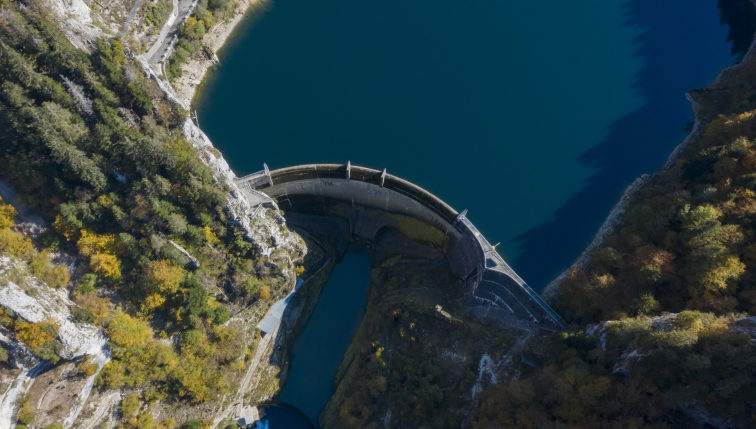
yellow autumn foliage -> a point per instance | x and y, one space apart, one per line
7 215
166 276
127 331
91 243
15 243
36 334
210 236
153 301
265 293
105 201
105 265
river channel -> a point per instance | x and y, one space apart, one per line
532 115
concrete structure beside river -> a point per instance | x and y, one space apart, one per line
367 199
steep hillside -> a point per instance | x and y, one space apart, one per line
133 248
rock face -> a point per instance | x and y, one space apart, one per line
78 339
72 17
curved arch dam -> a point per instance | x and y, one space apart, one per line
350 203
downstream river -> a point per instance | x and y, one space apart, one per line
532 115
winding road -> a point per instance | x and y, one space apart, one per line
161 50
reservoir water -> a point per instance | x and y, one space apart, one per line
532 115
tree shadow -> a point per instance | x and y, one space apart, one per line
681 48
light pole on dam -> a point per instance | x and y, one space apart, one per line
350 202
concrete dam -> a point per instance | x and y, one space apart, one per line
350 203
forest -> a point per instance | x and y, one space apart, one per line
95 148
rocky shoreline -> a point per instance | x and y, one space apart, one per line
195 70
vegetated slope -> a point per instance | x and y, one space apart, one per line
687 245
96 149
411 365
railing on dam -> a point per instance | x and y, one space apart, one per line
362 174
472 257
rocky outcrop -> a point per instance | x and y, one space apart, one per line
73 18
78 339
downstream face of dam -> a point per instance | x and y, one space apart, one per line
350 203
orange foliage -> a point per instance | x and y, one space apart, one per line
97 306
36 334
87 368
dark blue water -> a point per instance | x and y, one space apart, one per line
320 346
282 418
534 115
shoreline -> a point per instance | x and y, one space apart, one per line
196 71
551 291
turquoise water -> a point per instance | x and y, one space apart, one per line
532 115
320 346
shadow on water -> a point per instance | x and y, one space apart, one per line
319 348
676 59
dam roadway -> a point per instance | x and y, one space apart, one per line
348 203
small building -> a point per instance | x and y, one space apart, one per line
246 422
250 417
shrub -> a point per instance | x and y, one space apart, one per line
127 332
86 284
251 285
7 215
193 424
265 293
39 262
87 368
130 405
85 316
50 240
49 351
25 415
15 243
56 276
192 336
92 308
146 421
